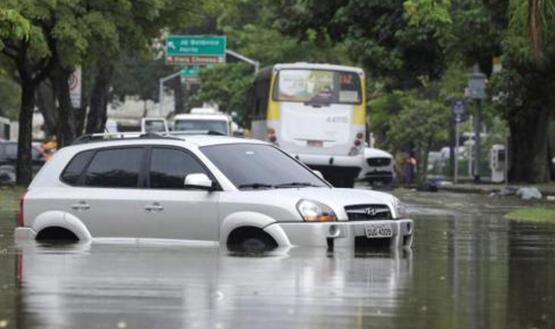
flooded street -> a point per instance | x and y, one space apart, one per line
469 268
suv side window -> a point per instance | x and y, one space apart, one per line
168 168
115 168
75 168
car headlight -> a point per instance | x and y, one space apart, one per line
314 211
400 209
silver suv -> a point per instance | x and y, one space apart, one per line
245 194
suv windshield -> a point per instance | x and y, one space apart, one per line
259 166
201 125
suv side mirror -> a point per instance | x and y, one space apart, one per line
199 181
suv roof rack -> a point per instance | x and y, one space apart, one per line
98 137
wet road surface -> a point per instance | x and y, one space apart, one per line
469 268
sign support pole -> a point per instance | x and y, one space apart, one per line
457 137
161 89
477 142
250 61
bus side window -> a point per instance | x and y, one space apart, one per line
261 99
257 108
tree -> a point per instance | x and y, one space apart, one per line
378 35
526 85
23 41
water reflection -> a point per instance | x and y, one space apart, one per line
470 268
148 286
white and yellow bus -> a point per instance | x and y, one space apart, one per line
315 112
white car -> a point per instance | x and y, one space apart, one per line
246 194
203 120
378 167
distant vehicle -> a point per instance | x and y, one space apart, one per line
246 194
8 158
378 167
154 125
315 112
203 119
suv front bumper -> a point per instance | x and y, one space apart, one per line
342 233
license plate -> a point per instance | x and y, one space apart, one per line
315 143
378 231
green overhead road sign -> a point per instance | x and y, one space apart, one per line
195 50
190 73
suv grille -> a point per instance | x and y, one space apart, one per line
378 162
368 212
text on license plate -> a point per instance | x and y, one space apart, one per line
315 143
378 230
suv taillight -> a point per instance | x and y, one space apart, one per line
20 221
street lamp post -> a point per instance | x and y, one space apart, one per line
476 90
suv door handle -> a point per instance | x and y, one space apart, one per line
81 205
155 207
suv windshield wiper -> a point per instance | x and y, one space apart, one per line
295 184
256 185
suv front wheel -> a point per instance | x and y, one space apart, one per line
250 239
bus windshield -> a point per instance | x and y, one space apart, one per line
317 86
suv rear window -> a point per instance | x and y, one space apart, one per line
75 167
115 168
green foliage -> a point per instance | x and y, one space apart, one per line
137 74
390 43
531 31
9 94
433 13
12 26
532 215
418 123
227 85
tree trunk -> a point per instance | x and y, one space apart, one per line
46 103
529 145
96 119
24 170
66 113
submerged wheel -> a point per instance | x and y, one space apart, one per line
56 235
250 239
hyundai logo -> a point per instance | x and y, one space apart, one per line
370 211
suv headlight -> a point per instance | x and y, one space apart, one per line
400 209
314 211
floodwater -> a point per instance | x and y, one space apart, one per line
469 268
